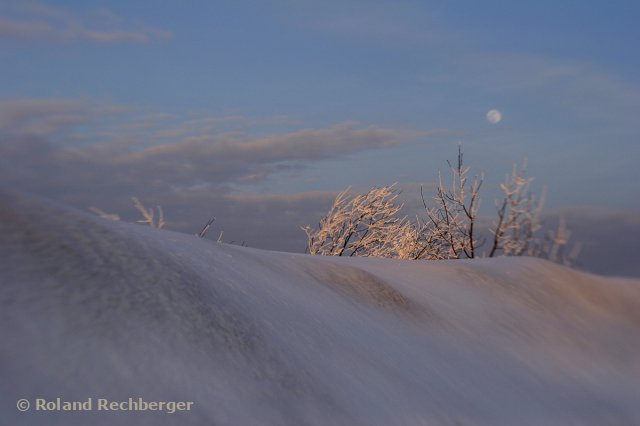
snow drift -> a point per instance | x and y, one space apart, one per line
98 309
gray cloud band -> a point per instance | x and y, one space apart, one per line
32 21
90 155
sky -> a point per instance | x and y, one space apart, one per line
258 112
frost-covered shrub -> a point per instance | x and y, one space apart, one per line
148 215
370 224
360 225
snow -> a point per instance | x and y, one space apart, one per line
100 309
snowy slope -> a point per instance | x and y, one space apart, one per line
91 308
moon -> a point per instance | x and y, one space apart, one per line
494 116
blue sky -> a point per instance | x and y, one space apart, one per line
247 105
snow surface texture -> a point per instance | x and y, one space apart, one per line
91 308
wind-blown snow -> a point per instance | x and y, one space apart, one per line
91 308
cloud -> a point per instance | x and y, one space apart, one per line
305 144
40 117
87 154
225 158
100 155
31 21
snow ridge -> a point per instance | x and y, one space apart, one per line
92 308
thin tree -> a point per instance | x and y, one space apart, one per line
519 213
455 213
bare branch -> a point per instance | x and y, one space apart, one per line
148 215
206 227
103 214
